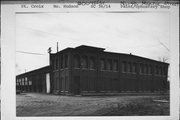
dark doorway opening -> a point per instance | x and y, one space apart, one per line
77 85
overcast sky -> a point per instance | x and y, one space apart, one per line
142 34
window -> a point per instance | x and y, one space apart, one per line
109 64
156 70
19 81
56 65
102 63
22 81
164 71
53 64
129 67
30 82
61 62
76 61
66 61
141 69
134 68
26 82
84 62
160 70
150 70
124 67
145 69
115 65
92 63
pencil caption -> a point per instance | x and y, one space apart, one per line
103 4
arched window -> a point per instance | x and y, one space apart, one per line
84 62
92 63
76 61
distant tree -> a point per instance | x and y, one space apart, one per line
163 58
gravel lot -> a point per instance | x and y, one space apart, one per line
31 104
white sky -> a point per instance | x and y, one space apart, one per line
136 33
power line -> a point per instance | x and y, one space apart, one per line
30 53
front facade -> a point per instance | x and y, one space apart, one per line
87 70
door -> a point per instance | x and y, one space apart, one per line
77 85
48 83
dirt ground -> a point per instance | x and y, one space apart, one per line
31 104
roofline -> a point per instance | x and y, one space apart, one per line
33 70
135 56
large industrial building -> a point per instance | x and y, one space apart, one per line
91 70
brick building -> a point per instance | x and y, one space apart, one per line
87 70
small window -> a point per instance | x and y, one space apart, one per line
129 67
109 64
30 82
84 62
66 61
150 69
92 63
61 62
124 67
26 81
160 70
56 65
22 81
102 64
141 68
134 68
157 70
145 69
115 65
53 64
76 61
164 71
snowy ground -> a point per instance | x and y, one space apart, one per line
32 104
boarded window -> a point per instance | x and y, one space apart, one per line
84 62
115 65
66 61
102 61
109 64
76 61
92 63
